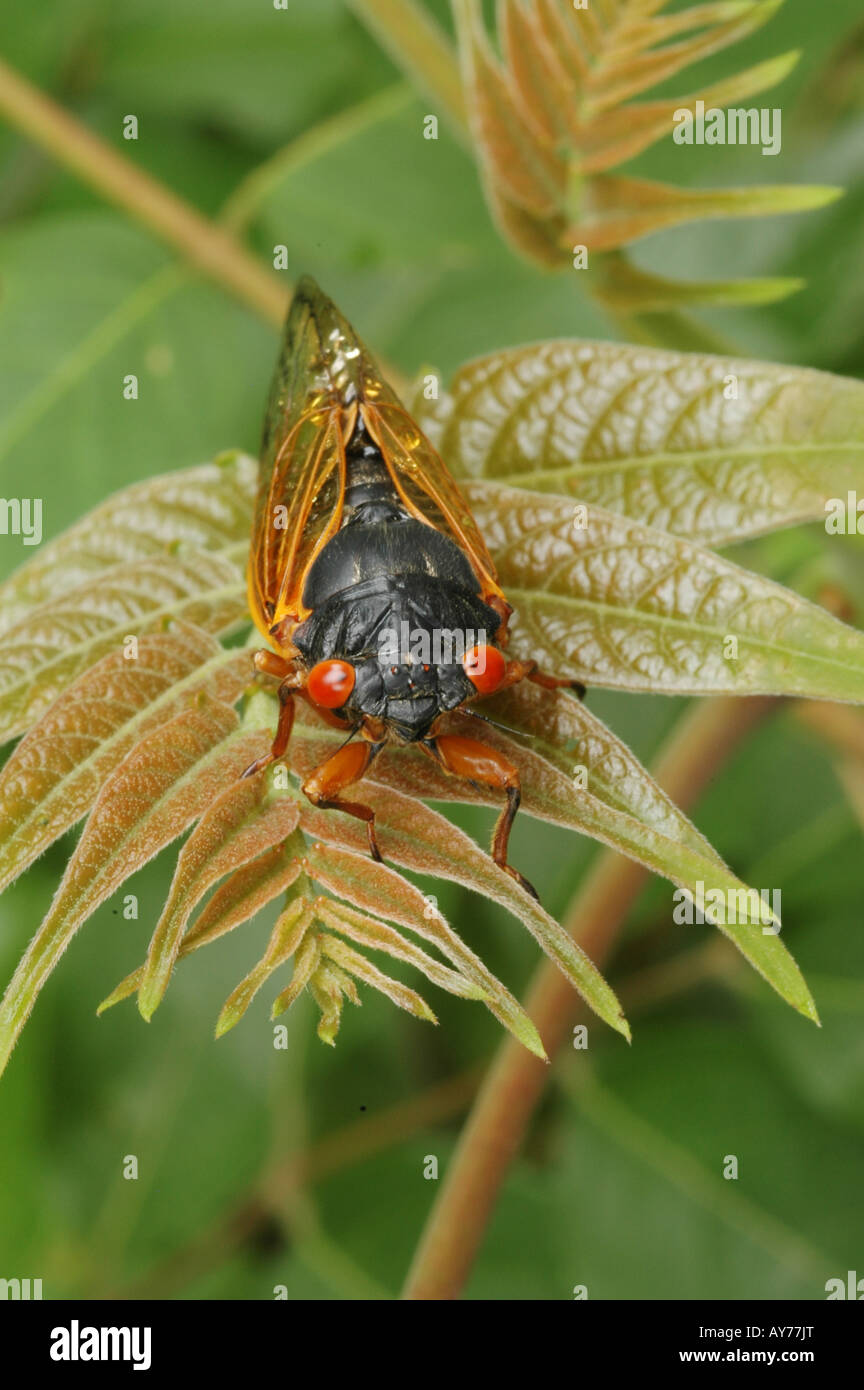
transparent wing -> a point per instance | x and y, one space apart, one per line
424 484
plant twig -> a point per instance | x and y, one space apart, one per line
206 246
698 747
418 46
242 204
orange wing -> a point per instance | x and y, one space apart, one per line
323 376
302 469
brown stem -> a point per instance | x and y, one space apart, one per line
697 748
205 245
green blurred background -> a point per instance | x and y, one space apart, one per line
620 1187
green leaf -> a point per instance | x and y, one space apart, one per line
711 448
615 604
627 290
204 508
115 306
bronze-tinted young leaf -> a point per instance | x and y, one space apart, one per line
597 763
523 166
712 448
623 132
418 838
246 891
538 75
610 211
611 798
616 604
329 986
162 785
243 821
44 653
378 936
538 238
688 862
378 888
351 961
285 939
557 25
637 65
203 508
243 893
555 114
55 773
306 962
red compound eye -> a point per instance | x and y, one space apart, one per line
330 683
484 666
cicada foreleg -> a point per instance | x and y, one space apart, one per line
291 683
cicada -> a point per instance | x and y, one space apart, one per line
369 576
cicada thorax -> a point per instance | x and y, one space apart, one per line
397 601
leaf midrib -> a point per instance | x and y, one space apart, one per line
688 459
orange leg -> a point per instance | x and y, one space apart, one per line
556 682
466 757
292 679
272 665
517 671
324 785
283 732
